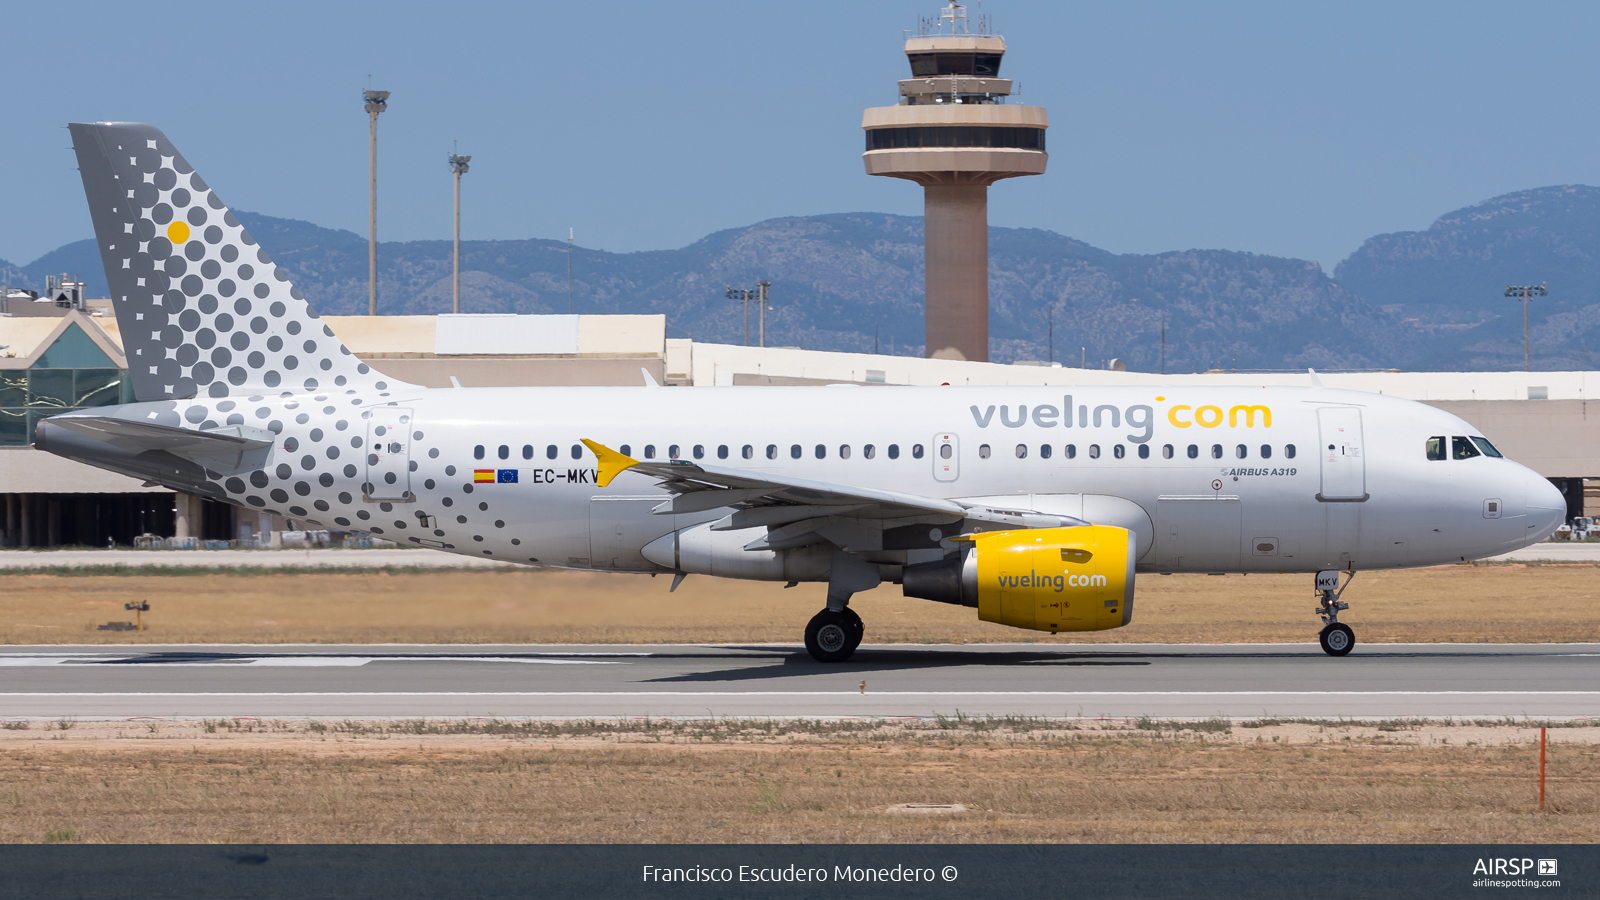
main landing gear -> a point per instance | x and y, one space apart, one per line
835 633
832 636
1336 638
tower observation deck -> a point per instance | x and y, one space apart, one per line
954 133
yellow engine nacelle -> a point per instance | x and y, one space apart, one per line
1048 579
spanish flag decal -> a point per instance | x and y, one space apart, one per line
483 476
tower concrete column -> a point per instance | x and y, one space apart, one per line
181 512
956 280
954 133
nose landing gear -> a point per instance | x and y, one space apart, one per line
1336 638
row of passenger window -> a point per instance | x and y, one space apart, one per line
1070 451
870 451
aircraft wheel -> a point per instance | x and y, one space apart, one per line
856 628
1337 639
828 636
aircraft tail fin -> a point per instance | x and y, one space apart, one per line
201 309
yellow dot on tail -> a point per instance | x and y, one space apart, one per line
178 232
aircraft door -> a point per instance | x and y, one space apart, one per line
946 457
388 453
1199 534
1344 468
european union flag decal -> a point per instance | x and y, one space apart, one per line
506 476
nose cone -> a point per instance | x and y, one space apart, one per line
1547 508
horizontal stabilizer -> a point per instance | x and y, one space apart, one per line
230 450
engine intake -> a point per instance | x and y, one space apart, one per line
1047 579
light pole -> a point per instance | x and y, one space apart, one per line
569 271
377 102
458 165
760 296
1526 292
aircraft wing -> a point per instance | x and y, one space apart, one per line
797 510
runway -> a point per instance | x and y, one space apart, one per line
1116 681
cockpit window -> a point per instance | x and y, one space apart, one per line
1436 448
1461 448
1487 448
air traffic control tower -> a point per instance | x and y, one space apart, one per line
954 133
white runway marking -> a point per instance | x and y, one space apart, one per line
274 661
844 693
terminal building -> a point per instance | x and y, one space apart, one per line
72 359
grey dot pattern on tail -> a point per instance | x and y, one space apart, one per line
202 309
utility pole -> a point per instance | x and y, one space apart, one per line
569 270
377 102
1163 343
458 165
743 296
1050 316
761 286
1526 292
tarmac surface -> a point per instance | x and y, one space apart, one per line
1376 681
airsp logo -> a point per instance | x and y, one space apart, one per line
1501 866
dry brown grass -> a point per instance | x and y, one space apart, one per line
1116 782
1451 603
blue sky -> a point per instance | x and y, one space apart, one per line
1285 128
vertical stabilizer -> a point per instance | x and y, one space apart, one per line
202 310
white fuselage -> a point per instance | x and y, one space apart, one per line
1241 501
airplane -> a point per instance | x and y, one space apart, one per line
1037 506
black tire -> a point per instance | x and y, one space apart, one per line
1337 639
828 637
855 627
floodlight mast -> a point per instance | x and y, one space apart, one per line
1526 292
377 102
458 165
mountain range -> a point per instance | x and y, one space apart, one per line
1428 299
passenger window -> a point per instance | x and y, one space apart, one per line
1216 451
1487 448
772 451
1461 448
1094 451
672 451
1241 451
1072 451
1144 451
649 451
722 451
916 451
1436 448
1266 451
505 452
944 451
1044 451
1022 451
983 451
527 452
795 451
869 451
551 452
1194 451
821 452
1166 451
748 452
577 451
477 452
699 451
844 451
1119 451
1288 451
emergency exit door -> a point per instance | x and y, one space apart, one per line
1344 466
946 457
